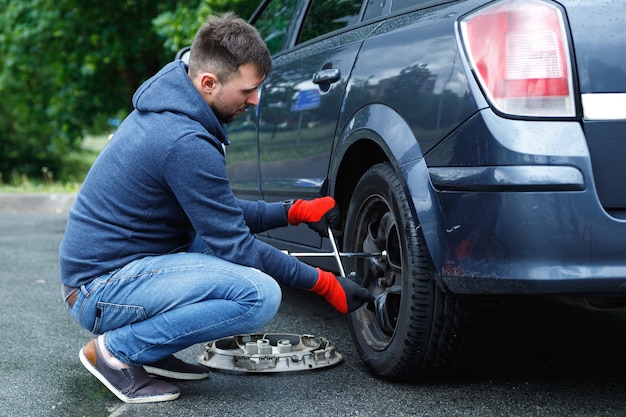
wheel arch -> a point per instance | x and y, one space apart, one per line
375 134
362 154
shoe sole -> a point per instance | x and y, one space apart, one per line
118 393
183 376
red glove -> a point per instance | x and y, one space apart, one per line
318 214
341 292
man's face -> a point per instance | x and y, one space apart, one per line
229 100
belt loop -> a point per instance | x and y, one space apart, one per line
83 289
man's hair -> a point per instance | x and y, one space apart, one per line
223 44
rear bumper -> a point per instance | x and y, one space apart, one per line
518 212
532 243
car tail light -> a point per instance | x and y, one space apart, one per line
519 52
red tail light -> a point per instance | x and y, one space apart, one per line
518 50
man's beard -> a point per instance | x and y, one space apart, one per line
226 118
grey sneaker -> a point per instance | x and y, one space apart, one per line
131 385
173 368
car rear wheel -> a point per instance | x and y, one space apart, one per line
414 329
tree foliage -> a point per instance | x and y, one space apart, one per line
68 66
177 26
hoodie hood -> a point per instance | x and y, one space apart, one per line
171 90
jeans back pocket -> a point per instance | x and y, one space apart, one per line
111 316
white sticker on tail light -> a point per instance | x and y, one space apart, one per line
519 52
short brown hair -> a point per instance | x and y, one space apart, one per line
223 44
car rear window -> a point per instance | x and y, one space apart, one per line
326 16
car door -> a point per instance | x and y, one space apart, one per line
301 102
272 21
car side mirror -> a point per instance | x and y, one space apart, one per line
183 54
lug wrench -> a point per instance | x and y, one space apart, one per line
336 251
336 254
378 304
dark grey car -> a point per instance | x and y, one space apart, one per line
479 143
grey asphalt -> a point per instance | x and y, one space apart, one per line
533 358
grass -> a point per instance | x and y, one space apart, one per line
76 167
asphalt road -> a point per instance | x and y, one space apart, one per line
533 357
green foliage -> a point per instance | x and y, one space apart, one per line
69 65
179 25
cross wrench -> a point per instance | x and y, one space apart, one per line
336 254
378 305
336 251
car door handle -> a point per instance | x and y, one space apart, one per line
327 76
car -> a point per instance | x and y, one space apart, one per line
477 145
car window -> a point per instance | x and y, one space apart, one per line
405 4
374 8
327 15
273 22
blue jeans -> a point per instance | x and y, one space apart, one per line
159 305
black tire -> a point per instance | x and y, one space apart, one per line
413 330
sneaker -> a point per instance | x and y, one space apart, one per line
132 384
173 368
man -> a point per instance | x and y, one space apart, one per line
158 253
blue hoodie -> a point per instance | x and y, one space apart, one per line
160 180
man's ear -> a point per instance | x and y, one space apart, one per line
208 80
